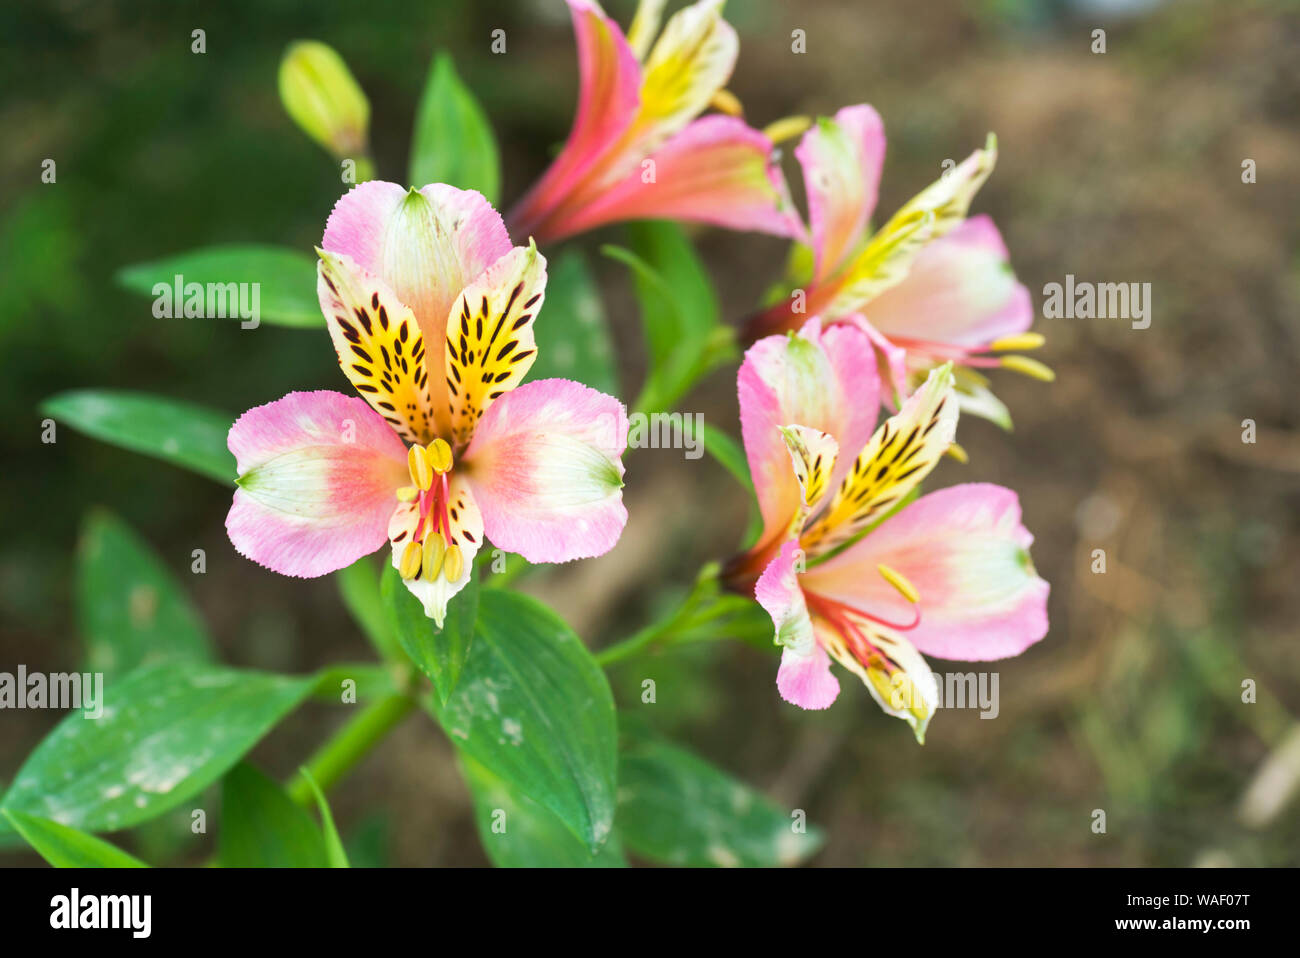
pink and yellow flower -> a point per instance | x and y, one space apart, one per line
929 287
637 149
431 313
848 566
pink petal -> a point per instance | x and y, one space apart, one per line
966 552
318 474
959 291
426 244
841 160
824 379
717 170
609 80
804 678
545 468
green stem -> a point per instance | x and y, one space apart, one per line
677 621
358 736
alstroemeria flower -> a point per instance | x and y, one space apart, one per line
928 287
637 151
431 311
845 573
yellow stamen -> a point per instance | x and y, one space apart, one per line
407 494
910 696
899 582
879 680
724 101
787 128
439 455
418 464
410 566
453 564
434 551
958 453
1029 367
1024 341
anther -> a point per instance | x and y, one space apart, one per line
787 128
432 556
453 564
724 101
439 456
1025 341
410 565
899 582
1029 367
418 463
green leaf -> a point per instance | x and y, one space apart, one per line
731 457
167 732
453 142
359 588
516 832
65 847
438 653
678 809
131 610
261 827
572 332
535 709
679 312
286 280
336 856
186 435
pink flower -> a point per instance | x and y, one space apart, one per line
845 573
928 287
431 313
637 151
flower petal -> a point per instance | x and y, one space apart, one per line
934 212
718 171
965 551
841 160
466 533
692 60
823 379
609 80
379 345
900 454
959 291
318 474
545 468
490 345
427 245
804 678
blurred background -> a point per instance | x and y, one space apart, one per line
1117 167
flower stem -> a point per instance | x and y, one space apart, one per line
350 744
678 621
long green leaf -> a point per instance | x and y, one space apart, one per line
186 435
65 847
516 832
535 709
335 855
261 827
678 809
453 142
130 608
572 333
438 653
286 280
166 733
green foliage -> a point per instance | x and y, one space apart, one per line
535 710
130 608
286 279
517 832
453 142
261 827
168 731
65 847
335 855
181 433
678 809
679 313
438 653
572 332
